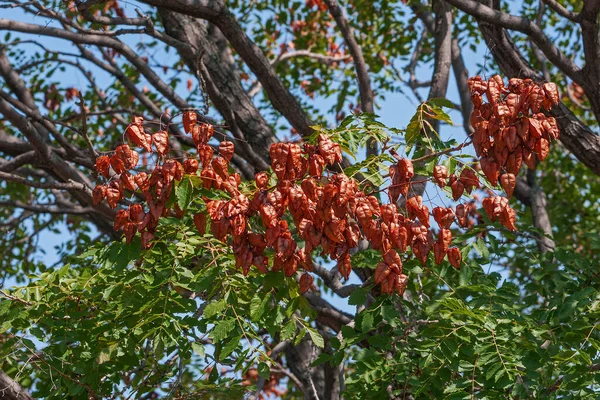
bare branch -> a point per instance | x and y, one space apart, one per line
362 75
325 59
561 10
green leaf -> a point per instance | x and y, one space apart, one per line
229 347
358 297
288 330
316 337
259 305
222 329
441 102
184 193
214 308
264 371
321 359
367 322
198 348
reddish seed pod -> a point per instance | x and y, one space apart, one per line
440 174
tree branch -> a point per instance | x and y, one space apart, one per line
11 390
523 25
561 10
217 13
362 75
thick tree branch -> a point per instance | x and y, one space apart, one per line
591 45
217 13
204 57
11 390
524 25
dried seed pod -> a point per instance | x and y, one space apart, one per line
440 174
454 257
306 282
508 182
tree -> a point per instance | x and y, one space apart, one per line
184 308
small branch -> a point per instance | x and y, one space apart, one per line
440 153
84 127
328 60
562 11
14 298
48 208
70 185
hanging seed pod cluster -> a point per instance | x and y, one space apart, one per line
510 129
328 211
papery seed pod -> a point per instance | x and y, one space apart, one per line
529 158
542 148
205 154
401 284
477 85
146 239
161 142
98 194
405 168
454 257
488 206
127 180
381 272
190 166
290 266
226 149
113 195
190 118
344 266
136 213
495 88
129 230
316 163
135 133
306 282
279 155
142 182
443 216
200 222
551 92
117 164
439 253
508 182
391 257
457 188
490 169
103 165
330 151
513 162
262 180
469 179
461 216
508 217
440 174
129 157
220 166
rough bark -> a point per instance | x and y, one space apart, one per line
227 94
11 390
